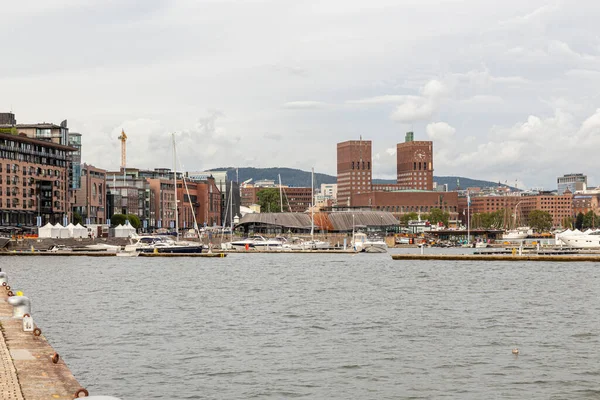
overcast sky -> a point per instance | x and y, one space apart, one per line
507 91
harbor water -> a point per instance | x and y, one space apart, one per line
318 326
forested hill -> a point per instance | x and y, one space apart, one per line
298 178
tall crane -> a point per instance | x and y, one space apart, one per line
123 139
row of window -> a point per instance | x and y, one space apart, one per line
361 163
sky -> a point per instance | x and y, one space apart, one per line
508 92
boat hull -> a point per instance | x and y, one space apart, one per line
173 249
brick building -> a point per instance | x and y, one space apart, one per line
90 199
34 180
559 206
354 162
402 202
414 164
297 198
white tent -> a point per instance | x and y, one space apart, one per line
46 231
70 227
124 230
61 231
80 231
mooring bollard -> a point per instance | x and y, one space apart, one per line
27 323
21 306
3 278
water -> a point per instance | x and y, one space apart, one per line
271 326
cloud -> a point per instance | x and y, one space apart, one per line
421 108
440 131
305 105
391 151
386 99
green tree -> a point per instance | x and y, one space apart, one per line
491 220
120 219
567 222
436 215
269 200
411 216
77 218
540 221
579 221
134 220
590 220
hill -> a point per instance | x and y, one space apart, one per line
299 178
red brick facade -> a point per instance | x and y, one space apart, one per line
415 165
354 173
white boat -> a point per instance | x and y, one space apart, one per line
255 242
363 243
161 244
314 244
584 241
518 233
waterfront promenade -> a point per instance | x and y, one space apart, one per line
27 367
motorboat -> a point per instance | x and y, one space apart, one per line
161 244
315 244
256 242
586 241
363 243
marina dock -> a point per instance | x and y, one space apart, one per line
104 254
497 257
27 362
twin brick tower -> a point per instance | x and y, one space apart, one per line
414 162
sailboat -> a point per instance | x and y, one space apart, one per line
165 244
313 244
517 233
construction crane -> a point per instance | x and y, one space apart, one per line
123 139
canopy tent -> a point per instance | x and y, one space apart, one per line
62 232
80 231
124 230
47 231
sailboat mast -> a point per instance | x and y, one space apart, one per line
175 186
231 208
312 208
280 196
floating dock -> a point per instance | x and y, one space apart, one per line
105 254
27 362
497 257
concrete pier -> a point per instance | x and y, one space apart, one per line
479 257
27 367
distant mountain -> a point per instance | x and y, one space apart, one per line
453 181
289 176
298 178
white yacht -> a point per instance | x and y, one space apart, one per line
363 243
585 241
518 233
255 242
161 244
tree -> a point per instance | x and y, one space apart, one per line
411 216
579 221
134 220
77 218
436 215
590 220
269 200
118 219
540 221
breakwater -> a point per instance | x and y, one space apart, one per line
497 257
30 368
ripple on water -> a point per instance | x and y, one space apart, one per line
337 327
